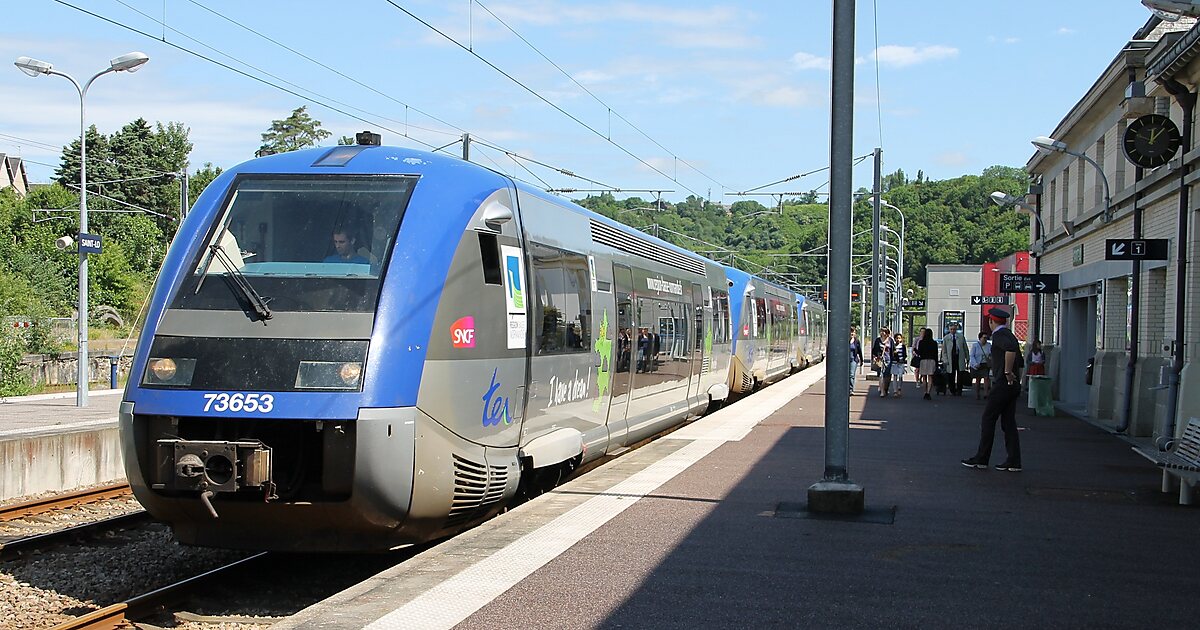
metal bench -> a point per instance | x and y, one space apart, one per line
1181 460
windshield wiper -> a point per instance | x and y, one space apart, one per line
238 279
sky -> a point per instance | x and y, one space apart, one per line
691 97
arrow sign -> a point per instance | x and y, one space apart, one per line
977 300
1029 282
1136 249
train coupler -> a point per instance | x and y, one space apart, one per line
211 467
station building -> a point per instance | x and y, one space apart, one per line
1017 262
948 290
1119 332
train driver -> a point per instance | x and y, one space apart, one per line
346 248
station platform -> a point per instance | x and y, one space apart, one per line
700 529
49 444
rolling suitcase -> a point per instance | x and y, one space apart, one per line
940 378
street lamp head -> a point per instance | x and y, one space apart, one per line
1003 199
129 62
33 67
1046 144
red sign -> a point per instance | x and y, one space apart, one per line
462 333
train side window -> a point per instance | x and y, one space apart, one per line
562 322
489 255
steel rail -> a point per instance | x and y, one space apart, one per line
120 615
18 546
61 501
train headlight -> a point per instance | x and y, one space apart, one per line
350 373
344 375
163 369
169 372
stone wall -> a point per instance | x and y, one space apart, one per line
61 369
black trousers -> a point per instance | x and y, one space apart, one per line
1002 405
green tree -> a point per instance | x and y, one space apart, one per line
200 180
134 168
298 131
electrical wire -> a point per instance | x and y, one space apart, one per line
317 101
544 165
878 93
24 141
275 76
538 95
333 70
597 98
241 72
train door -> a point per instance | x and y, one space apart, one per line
701 347
622 372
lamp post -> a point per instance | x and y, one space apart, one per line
1005 200
899 271
1046 144
902 232
33 67
900 256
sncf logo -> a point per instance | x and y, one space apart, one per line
462 333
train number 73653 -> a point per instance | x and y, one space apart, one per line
262 403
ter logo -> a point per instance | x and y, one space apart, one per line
462 333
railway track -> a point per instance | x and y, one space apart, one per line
65 501
62 501
123 614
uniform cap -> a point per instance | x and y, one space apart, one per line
998 313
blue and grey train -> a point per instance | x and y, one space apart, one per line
360 347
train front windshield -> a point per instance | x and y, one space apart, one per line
302 243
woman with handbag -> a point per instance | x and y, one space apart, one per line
899 365
856 358
927 348
980 364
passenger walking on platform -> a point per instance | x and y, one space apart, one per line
885 361
899 365
856 358
981 357
955 355
927 349
1002 403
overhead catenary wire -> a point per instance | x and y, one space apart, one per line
538 96
611 111
240 71
279 78
857 161
317 101
878 91
331 69
557 169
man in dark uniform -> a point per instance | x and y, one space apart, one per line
1002 402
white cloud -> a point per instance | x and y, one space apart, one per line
1065 30
714 40
952 159
675 96
993 39
903 56
806 61
783 96
593 76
